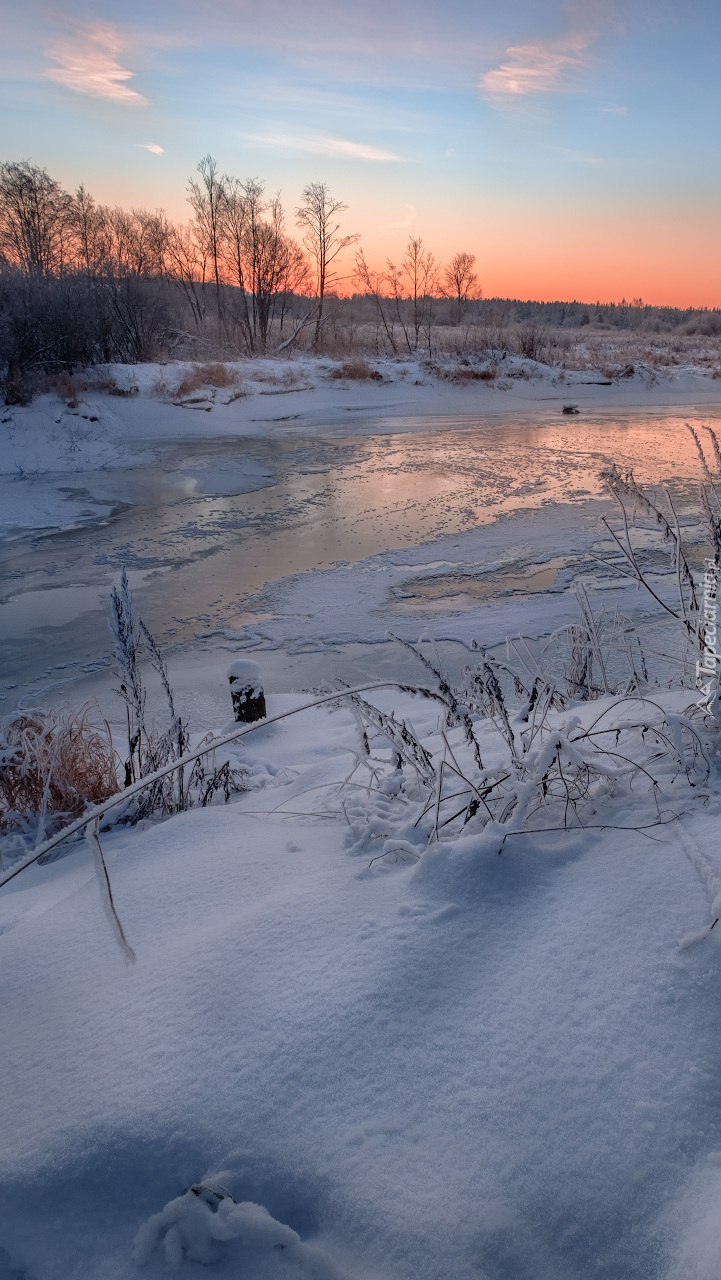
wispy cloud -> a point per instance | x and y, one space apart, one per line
407 221
88 63
152 147
581 157
545 66
319 144
614 111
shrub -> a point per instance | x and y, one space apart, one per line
207 375
356 371
463 373
53 764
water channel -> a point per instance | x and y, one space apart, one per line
200 549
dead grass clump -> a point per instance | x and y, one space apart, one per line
65 385
107 383
207 375
54 762
123 391
356 371
470 373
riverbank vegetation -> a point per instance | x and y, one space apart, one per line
83 283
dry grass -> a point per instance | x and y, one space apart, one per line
70 386
356 371
66 385
469 373
54 762
207 375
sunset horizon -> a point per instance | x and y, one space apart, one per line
567 146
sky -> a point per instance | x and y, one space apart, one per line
573 147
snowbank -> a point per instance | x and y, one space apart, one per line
471 1066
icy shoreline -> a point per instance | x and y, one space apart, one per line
48 446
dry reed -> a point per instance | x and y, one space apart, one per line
54 762
207 375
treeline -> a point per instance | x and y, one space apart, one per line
635 314
84 283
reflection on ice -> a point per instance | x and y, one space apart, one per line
227 519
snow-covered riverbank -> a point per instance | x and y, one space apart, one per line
47 446
470 1065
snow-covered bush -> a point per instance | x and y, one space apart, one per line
150 748
694 608
513 754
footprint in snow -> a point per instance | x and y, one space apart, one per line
206 1224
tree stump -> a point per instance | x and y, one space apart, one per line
246 690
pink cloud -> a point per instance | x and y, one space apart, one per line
323 145
537 68
88 63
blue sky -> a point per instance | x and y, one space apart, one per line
573 147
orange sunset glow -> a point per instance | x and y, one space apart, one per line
566 146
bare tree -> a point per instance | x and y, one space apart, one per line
372 282
394 280
318 214
260 258
89 224
459 281
415 282
270 257
239 210
295 278
185 267
428 288
34 213
418 265
207 199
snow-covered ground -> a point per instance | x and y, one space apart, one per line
418 1060
471 1065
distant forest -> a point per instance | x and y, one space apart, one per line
83 283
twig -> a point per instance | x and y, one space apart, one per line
596 826
106 892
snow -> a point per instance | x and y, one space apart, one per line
373 1057
243 669
194 1225
470 1065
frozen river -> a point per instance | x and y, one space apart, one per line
276 543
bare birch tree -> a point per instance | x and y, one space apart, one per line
206 199
459 281
372 282
318 214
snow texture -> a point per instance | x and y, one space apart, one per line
46 446
448 1063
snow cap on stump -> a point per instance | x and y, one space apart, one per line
246 690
